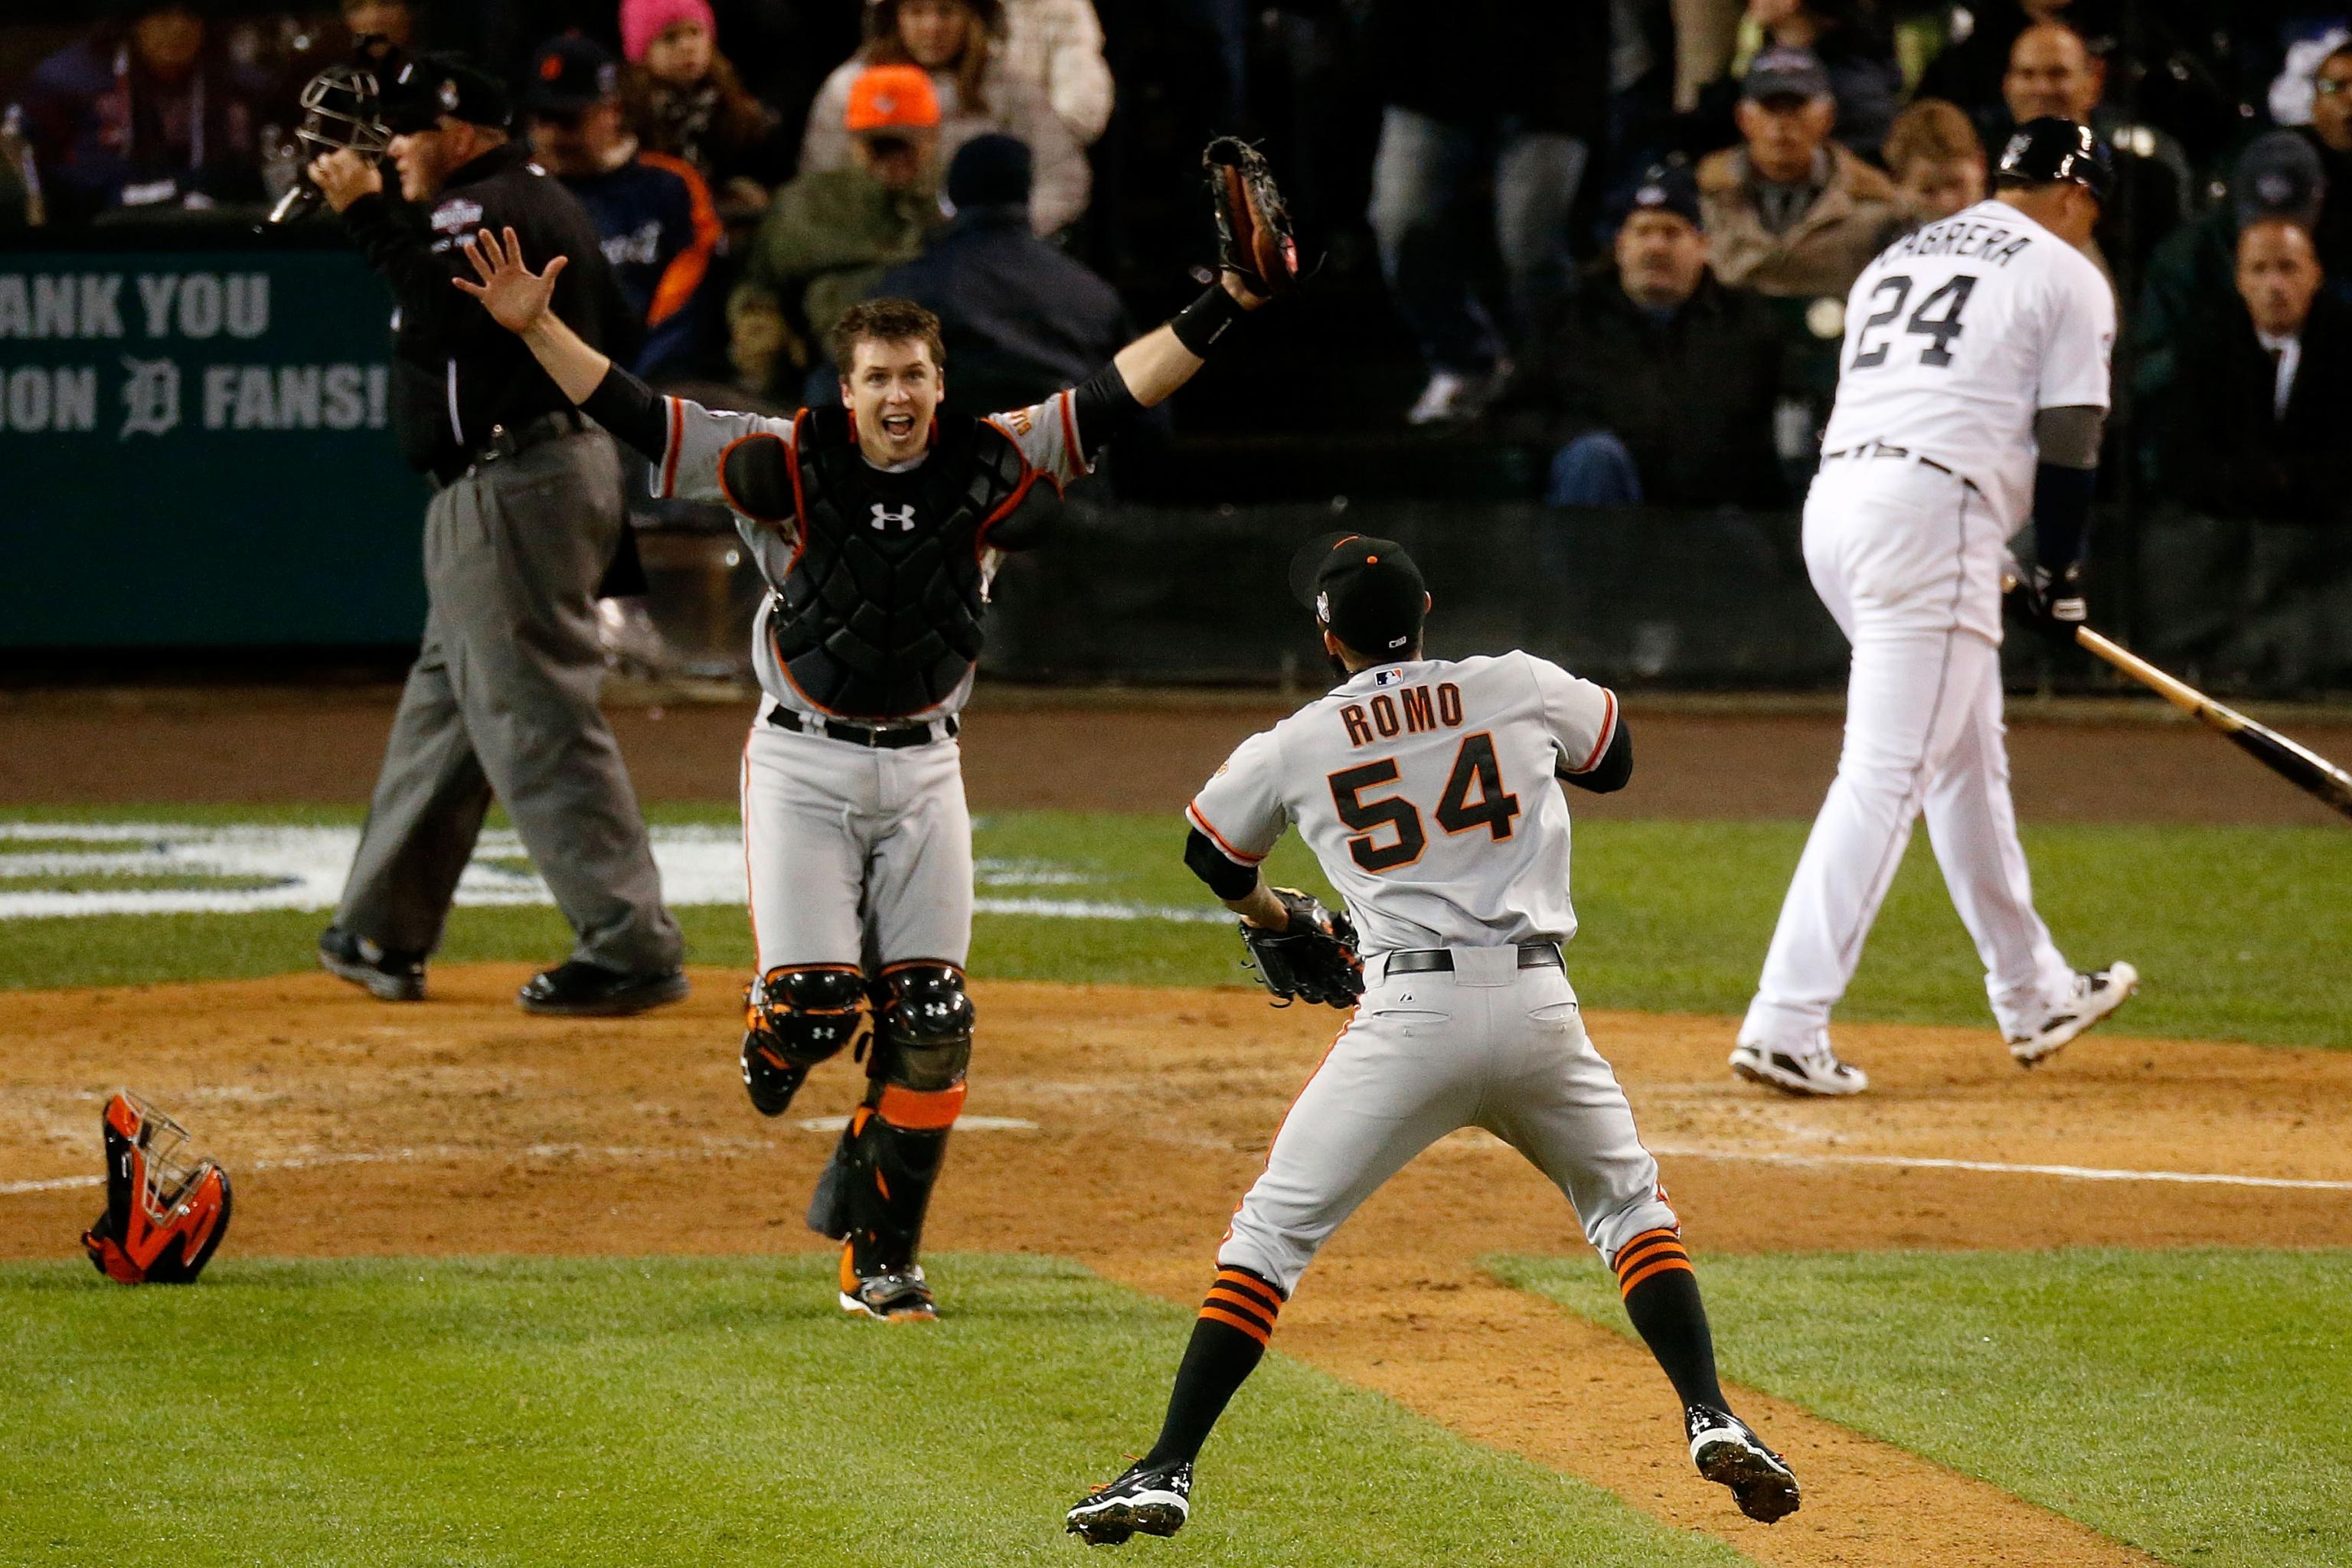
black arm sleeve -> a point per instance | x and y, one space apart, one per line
1104 407
2062 515
1609 775
1226 880
630 410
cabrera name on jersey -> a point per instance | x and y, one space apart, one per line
1958 334
1427 792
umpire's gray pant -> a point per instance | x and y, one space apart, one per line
502 702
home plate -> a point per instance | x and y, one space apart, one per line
963 1124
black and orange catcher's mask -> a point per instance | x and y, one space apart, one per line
165 1212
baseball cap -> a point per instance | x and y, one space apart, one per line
1785 73
571 74
892 98
2278 175
428 86
1366 591
994 170
1665 188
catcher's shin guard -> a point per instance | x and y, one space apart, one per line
875 1192
165 1215
794 1017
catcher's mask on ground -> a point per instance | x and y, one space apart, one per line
165 1213
1366 592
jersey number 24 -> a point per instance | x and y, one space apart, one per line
1475 768
1939 331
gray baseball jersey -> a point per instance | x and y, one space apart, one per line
1045 433
1428 791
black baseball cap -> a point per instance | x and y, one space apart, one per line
1783 73
1366 591
571 75
426 86
1665 188
2055 151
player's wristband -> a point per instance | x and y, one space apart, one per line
1200 325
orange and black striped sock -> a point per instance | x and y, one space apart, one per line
1229 1339
1661 1291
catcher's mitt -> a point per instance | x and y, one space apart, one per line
1253 226
1312 959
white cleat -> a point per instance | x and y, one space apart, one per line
1812 1071
2097 995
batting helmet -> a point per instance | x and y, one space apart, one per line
165 1215
2051 151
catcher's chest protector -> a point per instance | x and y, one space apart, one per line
879 616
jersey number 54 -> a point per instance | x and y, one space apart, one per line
1476 769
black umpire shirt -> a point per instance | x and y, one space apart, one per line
455 371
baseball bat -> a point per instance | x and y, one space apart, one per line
2299 766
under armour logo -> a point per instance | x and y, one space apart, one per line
903 516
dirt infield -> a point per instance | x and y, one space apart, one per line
1140 752
462 1126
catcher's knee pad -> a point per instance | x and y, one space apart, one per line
924 1020
794 1017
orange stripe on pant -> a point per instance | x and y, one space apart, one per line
920 1111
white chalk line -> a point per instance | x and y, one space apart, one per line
727 1151
2001 1168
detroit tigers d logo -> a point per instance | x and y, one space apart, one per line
903 516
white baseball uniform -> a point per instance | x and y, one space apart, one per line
1955 337
855 855
1428 791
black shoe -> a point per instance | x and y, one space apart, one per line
575 989
1728 1453
387 976
1156 1501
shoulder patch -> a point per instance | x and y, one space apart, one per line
456 215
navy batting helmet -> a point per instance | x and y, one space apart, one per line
2050 150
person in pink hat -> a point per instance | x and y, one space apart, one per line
683 98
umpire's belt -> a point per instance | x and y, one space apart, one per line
883 737
1421 959
506 441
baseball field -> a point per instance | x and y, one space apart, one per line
503 1290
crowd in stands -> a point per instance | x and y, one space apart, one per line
1619 230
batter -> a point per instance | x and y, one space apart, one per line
1974 390
878 526
1424 788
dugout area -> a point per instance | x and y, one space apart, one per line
504 1289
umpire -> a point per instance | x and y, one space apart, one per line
525 518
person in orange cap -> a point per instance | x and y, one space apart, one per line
831 234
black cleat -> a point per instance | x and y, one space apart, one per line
891 1296
575 989
1729 1455
1146 1500
385 975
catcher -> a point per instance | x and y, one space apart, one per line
876 526
1424 787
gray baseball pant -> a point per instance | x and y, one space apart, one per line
503 702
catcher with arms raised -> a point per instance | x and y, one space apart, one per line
877 525
1426 789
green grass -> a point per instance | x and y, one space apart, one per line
2240 931
2189 1402
389 1414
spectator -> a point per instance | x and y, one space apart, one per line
831 233
1968 70
1856 51
1508 93
1659 384
151 114
1936 161
395 21
1021 318
652 214
684 99
1791 213
2052 71
2255 438
958 43
1059 45
2330 133
2278 175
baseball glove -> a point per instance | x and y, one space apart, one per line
1253 235
1312 959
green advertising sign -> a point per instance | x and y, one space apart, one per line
196 451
